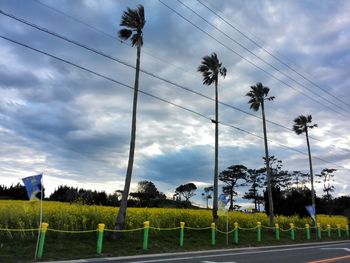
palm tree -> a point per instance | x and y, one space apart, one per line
133 22
211 68
258 94
302 124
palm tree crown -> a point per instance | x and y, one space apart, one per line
211 68
301 124
133 20
257 96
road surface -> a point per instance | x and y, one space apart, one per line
329 252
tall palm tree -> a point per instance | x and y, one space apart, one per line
133 22
211 68
302 124
258 95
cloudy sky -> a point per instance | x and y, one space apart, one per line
74 125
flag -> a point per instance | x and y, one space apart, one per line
222 202
311 209
33 185
223 199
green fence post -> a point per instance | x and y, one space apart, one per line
308 235
101 227
347 230
182 226
329 230
235 233
277 231
145 234
43 231
339 230
292 231
213 234
318 229
258 231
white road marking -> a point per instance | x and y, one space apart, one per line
232 254
342 248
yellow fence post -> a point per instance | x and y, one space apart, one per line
213 234
277 231
101 227
308 235
182 226
145 234
44 227
258 231
329 230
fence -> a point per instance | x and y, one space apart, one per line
213 230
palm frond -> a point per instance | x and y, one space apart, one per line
258 94
210 68
124 33
134 21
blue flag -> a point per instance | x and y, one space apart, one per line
223 199
222 202
33 185
311 209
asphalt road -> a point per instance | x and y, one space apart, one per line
307 253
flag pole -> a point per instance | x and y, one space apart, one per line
226 227
41 216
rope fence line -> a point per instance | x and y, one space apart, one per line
71 231
19 229
339 230
123 230
197 228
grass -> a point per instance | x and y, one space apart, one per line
17 248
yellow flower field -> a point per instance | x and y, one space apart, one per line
65 216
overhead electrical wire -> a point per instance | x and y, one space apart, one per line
153 96
260 58
108 35
148 73
270 53
250 62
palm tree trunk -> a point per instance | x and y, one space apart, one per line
268 171
216 170
120 221
313 201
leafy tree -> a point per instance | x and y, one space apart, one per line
279 177
146 191
291 201
14 192
65 193
230 177
254 179
326 178
133 22
113 199
298 178
302 124
186 190
211 68
208 191
258 95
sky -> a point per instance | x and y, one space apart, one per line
74 125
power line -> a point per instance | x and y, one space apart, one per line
260 58
107 34
149 94
270 53
250 62
146 72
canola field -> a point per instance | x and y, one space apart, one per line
65 216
